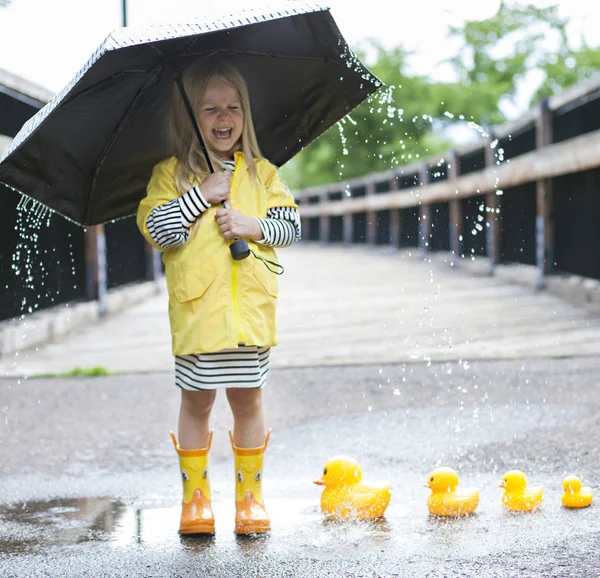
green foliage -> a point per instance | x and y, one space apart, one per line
386 130
78 372
567 69
497 53
405 122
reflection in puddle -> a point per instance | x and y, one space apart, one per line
148 525
30 527
27 526
198 543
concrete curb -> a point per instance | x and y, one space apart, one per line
51 324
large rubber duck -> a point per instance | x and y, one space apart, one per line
574 496
344 497
518 496
445 498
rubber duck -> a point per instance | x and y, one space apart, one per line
574 496
445 498
517 496
344 497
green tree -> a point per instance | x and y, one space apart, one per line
404 123
389 129
497 54
566 68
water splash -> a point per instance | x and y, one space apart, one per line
35 262
26 262
343 138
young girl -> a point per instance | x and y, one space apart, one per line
222 311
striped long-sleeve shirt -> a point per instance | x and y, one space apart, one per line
170 224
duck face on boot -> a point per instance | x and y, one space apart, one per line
250 514
196 511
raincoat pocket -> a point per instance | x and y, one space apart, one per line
268 280
192 280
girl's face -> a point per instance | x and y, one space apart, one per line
221 117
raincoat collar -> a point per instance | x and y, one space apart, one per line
239 154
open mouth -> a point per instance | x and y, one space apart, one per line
222 133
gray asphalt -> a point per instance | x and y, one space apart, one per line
89 484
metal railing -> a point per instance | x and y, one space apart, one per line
513 196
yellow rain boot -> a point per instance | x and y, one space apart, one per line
196 511
250 514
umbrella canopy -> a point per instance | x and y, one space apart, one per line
88 154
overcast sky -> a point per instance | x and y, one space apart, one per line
47 41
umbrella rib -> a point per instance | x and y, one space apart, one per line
68 98
100 83
113 138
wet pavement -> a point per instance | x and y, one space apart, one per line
89 484
352 305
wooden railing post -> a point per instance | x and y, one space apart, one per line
304 224
371 217
455 210
544 226
347 221
91 264
491 207
348 226
153 265
424 214
95 266
323 222
394 218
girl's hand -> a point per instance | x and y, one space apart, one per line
236 225
215 188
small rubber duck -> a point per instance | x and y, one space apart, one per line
344 497
517 496
574 496
445 498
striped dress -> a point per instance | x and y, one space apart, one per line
245 366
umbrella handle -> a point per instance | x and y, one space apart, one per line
239 248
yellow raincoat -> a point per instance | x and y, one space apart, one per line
215 302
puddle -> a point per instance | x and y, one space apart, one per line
27 527
33 527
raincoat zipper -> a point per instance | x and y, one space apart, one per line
234 275
236 312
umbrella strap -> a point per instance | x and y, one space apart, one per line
267 263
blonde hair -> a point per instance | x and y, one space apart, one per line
191 166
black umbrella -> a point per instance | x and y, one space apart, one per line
88 154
